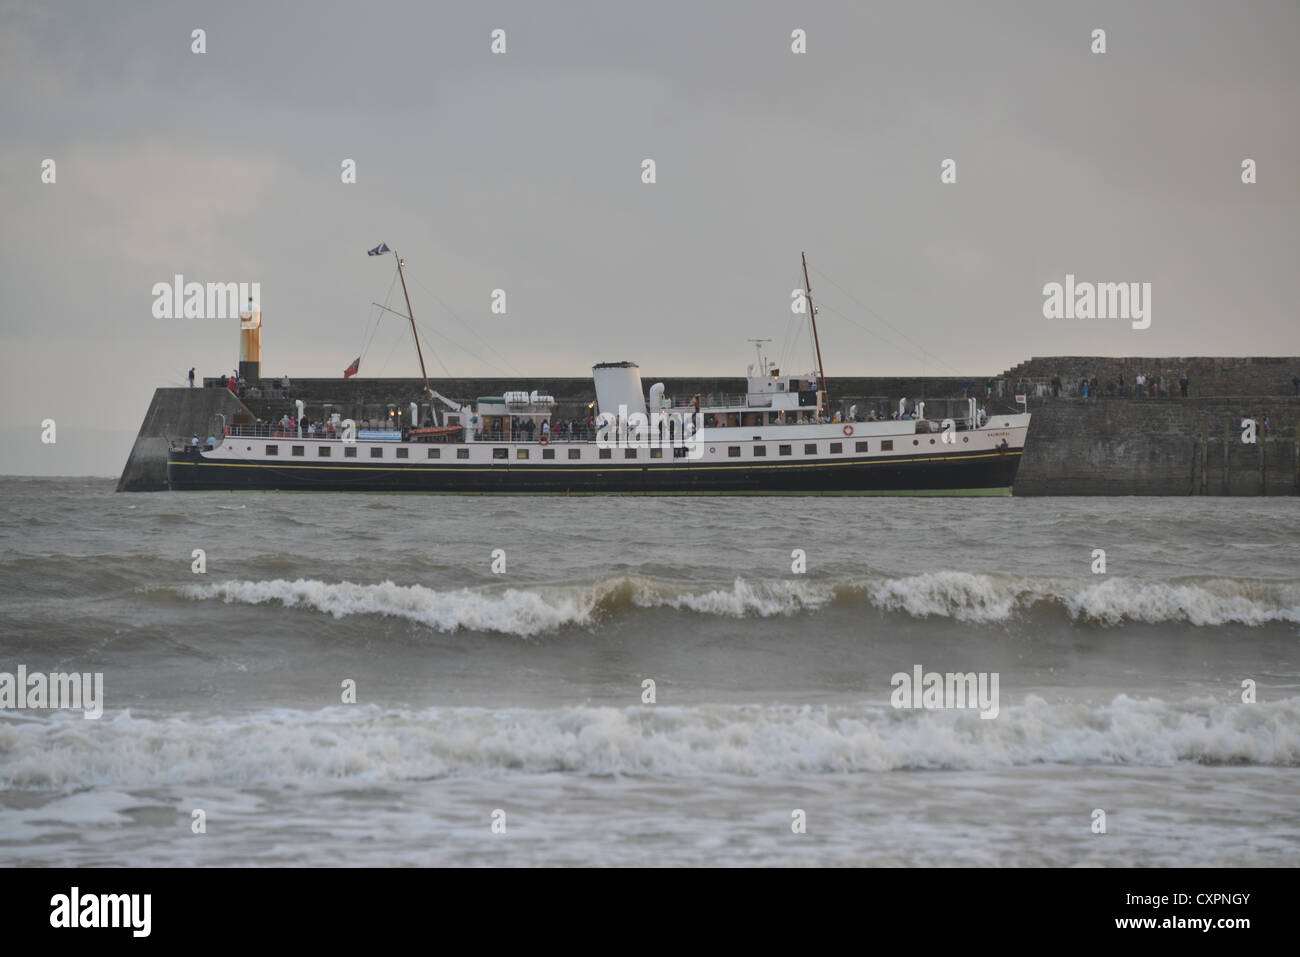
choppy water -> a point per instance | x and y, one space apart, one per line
522 691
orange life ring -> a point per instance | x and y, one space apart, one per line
848 430
544 440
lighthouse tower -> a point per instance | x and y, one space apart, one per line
250 341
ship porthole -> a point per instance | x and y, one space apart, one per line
965 438
932 441
916 441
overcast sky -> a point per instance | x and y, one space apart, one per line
523 172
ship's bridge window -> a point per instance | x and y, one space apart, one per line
323 451
273 450
500 454
298 450
783 450
376 451
861 446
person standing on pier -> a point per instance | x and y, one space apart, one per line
1182 385
191 377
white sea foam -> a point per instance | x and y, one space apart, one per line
512 611
963 596
366 743
960 595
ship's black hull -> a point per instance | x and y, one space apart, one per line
974 473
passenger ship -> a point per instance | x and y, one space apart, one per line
778 438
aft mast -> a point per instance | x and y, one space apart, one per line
812 316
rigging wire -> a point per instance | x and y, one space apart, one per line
472 330
902 350
924 352
366 342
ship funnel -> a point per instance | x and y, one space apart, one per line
618 384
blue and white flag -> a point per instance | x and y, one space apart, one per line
379 250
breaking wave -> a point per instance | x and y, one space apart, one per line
536 609
368 743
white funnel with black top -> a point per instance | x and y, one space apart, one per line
618 384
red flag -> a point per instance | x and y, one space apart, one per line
351 370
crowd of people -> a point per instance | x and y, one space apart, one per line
527 430
1145 386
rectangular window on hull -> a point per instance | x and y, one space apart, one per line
886 445
548 453
403 453
760 450
500 454
810 448
656 453
323 451
837 447
435 453
733 451
298 450
349 451
575 453
376 452
462 453
783 449
629 453
605 453
273 450
860 446
521 453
